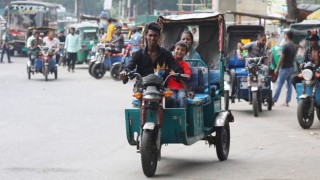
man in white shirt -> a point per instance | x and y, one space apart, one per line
72 46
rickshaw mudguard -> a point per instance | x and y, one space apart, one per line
174 129
222 117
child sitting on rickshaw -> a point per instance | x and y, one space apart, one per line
178 86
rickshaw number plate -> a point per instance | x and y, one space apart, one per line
243 85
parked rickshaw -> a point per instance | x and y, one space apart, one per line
149 124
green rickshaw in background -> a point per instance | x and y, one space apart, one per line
88 33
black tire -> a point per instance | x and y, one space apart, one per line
46 72
149 153
318 113
114 71
269 101
233 84
226 100
304 117
56 73
255 104
90 67
259 102
98 70
29 72
223 141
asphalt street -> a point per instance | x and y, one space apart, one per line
73 128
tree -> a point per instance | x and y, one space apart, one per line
293 11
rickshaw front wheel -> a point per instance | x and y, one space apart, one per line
223 141
305 118
149 153
46 72
255 104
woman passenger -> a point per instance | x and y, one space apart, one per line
187 37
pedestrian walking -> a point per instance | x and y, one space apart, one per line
72 46
5 45
285 68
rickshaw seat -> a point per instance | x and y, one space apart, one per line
197 83
241 72
199 99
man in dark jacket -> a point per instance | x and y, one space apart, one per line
151 58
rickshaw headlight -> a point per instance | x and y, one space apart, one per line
151 97
307 74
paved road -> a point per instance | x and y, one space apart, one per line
73 129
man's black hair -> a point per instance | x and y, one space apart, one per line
289 34
154 27
261 35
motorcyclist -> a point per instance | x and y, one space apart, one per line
52 43
151 58
255 49
118 41
312 54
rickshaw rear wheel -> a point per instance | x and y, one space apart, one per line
223 141
269 101
149 153
226 100
90 68
304 117
255 104
29 72
114 71
56 73
233 85
318 113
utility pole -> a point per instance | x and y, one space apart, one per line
76 8
150 7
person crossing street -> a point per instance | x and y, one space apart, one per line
72 46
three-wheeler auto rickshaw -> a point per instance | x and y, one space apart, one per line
238 34
248 79
150 124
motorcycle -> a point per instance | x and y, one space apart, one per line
43 63
117 66
308 95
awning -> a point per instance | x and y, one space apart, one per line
314 15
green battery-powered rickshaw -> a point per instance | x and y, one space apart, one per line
150 124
